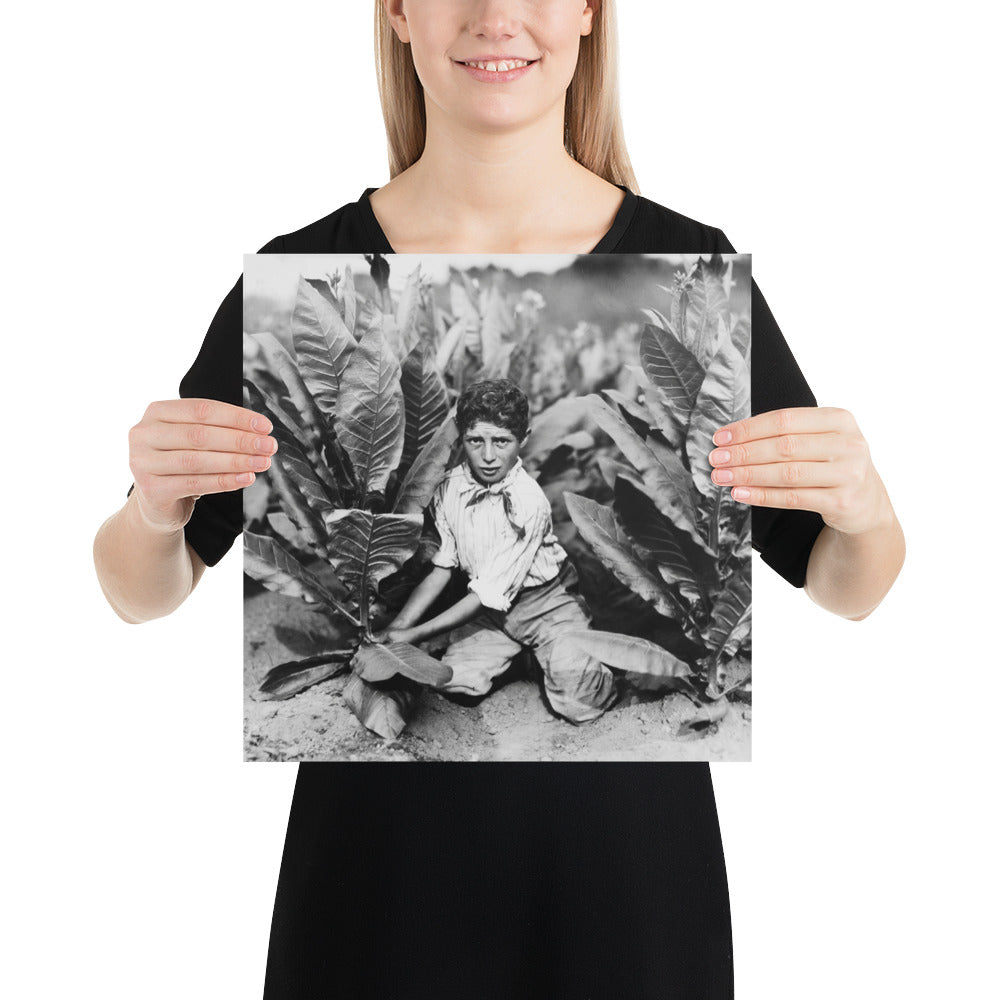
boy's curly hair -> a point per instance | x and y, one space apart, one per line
497 401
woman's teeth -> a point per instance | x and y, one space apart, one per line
499 67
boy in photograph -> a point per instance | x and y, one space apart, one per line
495 524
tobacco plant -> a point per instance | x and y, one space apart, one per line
671 535
364 438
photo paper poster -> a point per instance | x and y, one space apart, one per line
489 531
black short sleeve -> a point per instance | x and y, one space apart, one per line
217 518
784 538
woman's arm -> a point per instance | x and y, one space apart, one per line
850 574
145 571
181 450
815 458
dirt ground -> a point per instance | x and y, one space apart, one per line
513 723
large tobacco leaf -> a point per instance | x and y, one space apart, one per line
672 368
707 305
449 344
306 518
349 297
495 326
633 655
599 528
408 312
323 346
465 307
723 399
299 442
552 425
288 679
426 402
368 547
384 711
666 481
271 564
730 624
370 416
309 416
678 558
422 478
380 661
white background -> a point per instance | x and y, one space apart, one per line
845 146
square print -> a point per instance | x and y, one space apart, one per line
490 530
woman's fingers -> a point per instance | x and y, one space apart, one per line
818 499
200 463
795 475
820 447
790 449
805 458
163 490
162 436
787 421
212 412
183 449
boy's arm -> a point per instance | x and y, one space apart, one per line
424 595
430 588
509 566
504 572
458 614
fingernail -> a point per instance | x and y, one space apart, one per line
245 477
261 424
741 493
722 437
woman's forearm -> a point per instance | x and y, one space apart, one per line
145 572
849 574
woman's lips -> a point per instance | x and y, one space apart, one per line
488 76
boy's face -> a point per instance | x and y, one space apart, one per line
491 451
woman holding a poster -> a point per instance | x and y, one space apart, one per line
496 880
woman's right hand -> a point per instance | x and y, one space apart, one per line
185 448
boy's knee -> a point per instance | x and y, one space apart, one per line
580 710
466 684
460 698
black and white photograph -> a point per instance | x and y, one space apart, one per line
490 529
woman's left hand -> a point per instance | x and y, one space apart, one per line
805 457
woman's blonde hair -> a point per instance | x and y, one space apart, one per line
593 133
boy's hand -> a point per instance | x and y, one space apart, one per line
806 457
185 448
394 634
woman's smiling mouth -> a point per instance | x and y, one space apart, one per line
499 70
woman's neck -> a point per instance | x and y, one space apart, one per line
489 192
486 175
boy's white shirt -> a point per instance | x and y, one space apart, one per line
482 540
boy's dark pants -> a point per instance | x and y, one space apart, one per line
579 688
